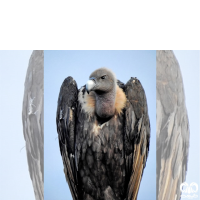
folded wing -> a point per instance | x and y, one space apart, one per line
65 120
137 135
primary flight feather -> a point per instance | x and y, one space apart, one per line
104 133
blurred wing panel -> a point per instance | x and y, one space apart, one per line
172 132
33 121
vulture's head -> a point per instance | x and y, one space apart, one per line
101 81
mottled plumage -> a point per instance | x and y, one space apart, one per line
104 151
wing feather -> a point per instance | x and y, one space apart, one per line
65 120
172 134
33 121
137 134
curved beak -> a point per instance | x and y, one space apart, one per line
90 84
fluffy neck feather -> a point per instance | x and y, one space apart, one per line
88 102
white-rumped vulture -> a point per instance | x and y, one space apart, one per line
104 133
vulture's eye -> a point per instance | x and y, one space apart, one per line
103 77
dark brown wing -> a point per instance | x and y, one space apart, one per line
65 120
137 135
172 132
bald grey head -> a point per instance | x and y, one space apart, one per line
101 80
103 83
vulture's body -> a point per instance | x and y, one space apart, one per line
104 136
